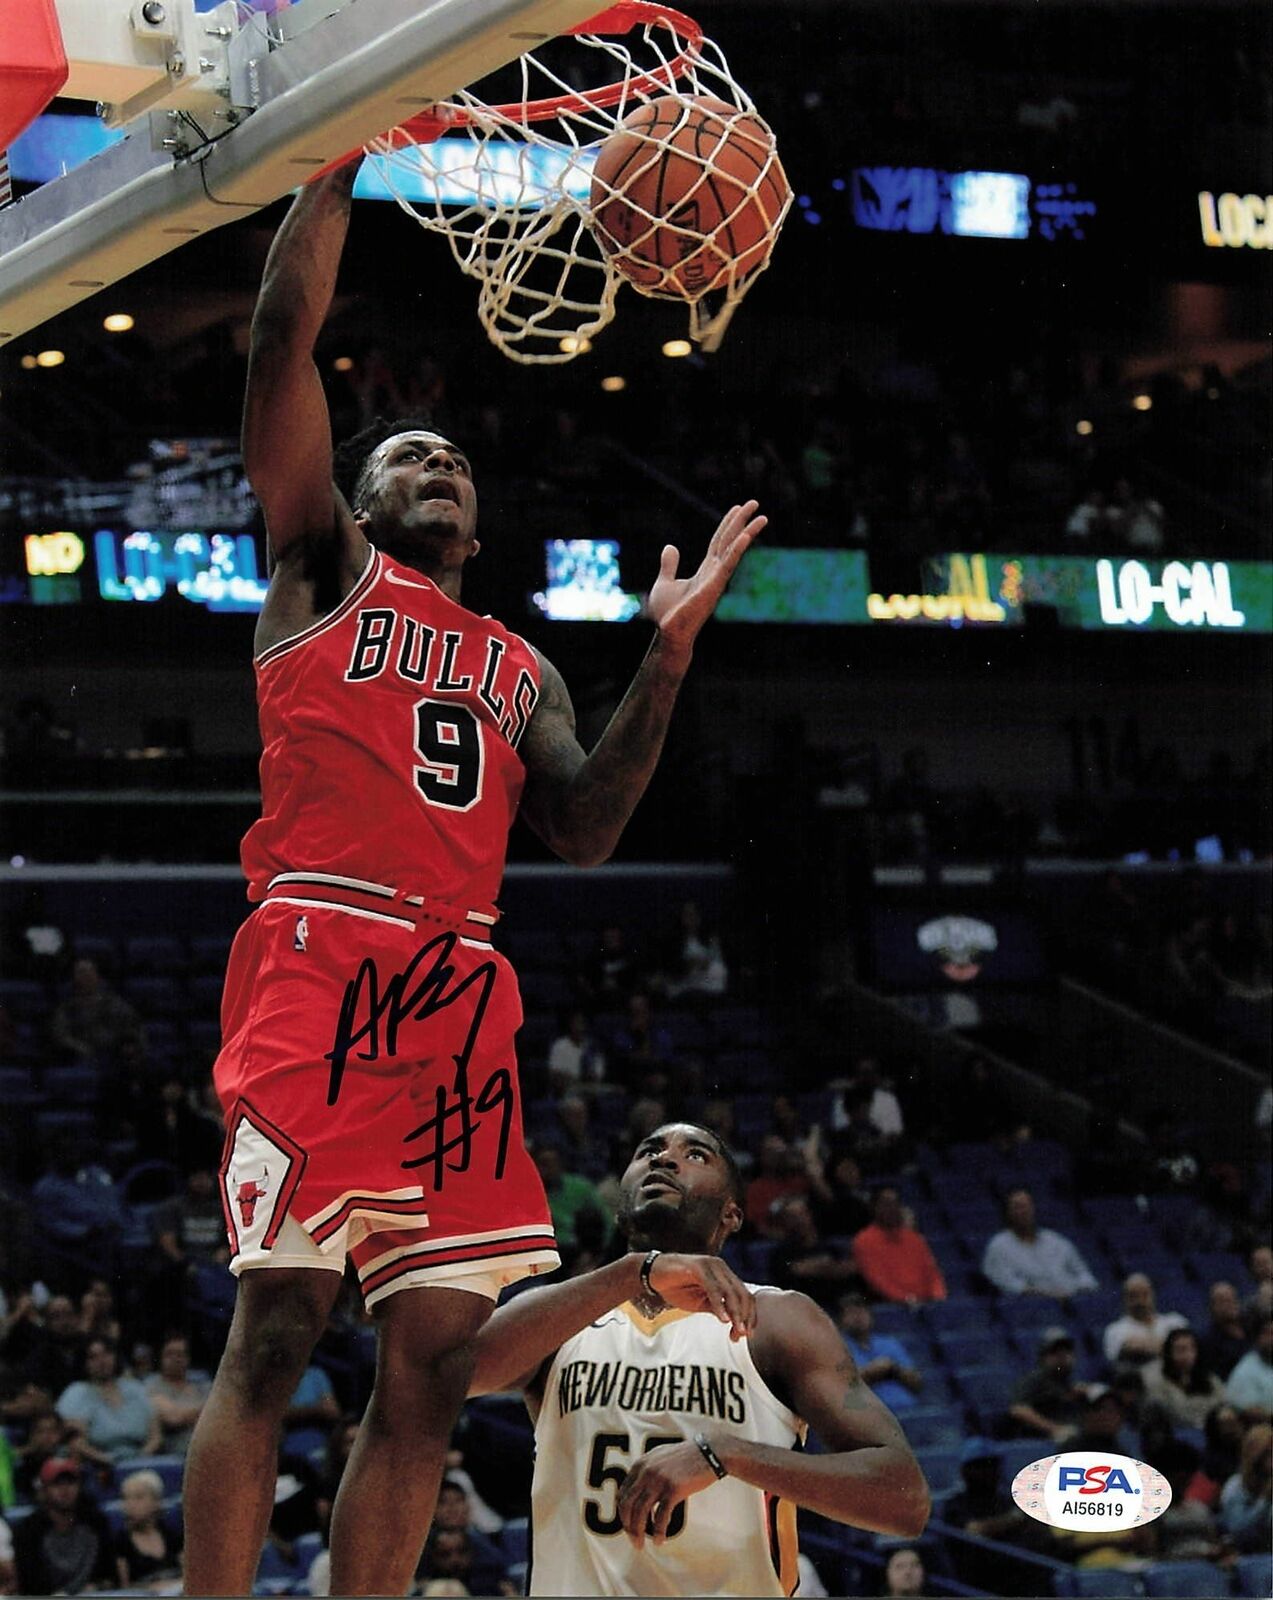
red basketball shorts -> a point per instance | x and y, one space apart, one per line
370 1091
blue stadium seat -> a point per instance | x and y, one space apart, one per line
24 999
981 1348
959 1314
54 1124
306 1549
940 1465
988 1390
156 996
975 1160
204 1035
1253 1576
735 1026
933 1426
74 1086
899 1321
210 952
113 1511
514 1539
757 1259
1109 1210
1099 1582
1215 1266
1017 1454
205 994
155 953
1190 1580
1028 1311
17 1088
100 948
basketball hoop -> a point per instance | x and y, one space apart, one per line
511 185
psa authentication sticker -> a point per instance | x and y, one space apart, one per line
1085 1490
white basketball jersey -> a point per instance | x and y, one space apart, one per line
619 1388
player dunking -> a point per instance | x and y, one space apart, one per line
367 1068
666 1457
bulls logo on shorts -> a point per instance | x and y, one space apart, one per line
259 1175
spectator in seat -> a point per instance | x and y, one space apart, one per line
1246 1499
802 1259
310 1414
450 1554
8 1571
45 1348
1179 1384
97 1312
1104 1423
643 1048
455 1513
1026 1259
895 1260
79 1206
569 1195
1260 1304
780 1173
92 1020
882 1361
611 973
1221 1454
575 1060
1138 1335
694 964
169 1129
1226 1340
64 1546
45 1435
841 1201
1250 1385
1048 1402
982 1507
109 1417
146 1550
582 1150
904 1574
177 1398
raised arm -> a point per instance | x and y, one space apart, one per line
522 1335
287 443
579 804
868 1478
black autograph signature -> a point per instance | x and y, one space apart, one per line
421 989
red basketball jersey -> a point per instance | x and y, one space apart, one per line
390 733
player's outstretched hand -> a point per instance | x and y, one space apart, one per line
656 1484
704 1283
680 606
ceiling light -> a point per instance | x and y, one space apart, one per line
574 344
1142 402
343 364
29 363
677 347
50 358
1084 427
117 322
614 384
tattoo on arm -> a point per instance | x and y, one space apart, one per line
581 803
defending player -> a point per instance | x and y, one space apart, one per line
666 1451
367 1067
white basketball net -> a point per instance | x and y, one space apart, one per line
511 194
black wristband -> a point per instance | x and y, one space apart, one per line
651 1257
709 1455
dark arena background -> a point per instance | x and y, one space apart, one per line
955 876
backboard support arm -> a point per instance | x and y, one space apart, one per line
324 92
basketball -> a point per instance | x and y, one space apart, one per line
687 196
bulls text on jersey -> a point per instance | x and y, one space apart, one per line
389 640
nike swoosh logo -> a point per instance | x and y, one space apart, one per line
406 582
